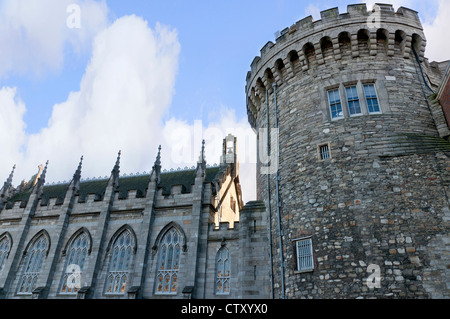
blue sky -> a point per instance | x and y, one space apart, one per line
210 44
218 41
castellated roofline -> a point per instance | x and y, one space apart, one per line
307 39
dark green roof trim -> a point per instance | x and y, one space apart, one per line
185 178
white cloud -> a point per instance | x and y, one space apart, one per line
182 145
35 33
438 46
12 128
126 88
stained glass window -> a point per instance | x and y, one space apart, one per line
5 245
76 256
168 263
223 272
121 258
32 266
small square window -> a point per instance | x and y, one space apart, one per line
305 261
324 152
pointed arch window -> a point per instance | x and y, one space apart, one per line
120 263
76 256
168 263
33 264
223 272
5 246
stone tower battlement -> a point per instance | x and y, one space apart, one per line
362 160
307 44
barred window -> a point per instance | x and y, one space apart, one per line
33 264
5 246
371 98
304 254
324 152
223 272
121 258
76 257
168 263
354 107
335 104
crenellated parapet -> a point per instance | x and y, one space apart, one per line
303 48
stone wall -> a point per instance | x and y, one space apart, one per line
382 197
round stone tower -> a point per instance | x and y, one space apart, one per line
354 169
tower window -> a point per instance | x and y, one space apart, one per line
335 104
304 252
371 98
354 107
324 152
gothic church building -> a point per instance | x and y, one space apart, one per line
176 234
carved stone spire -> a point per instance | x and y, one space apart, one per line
201 163
156 172
114 179
5 190
75 183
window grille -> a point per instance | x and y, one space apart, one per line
324 152
304 255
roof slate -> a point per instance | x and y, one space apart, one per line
185 178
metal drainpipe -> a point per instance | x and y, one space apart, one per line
280 231
268 200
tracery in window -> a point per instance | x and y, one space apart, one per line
5 246
223 272
33 264
168 263
120 263
76 256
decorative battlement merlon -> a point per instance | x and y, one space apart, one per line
266 47
329 14
357 9
309 40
